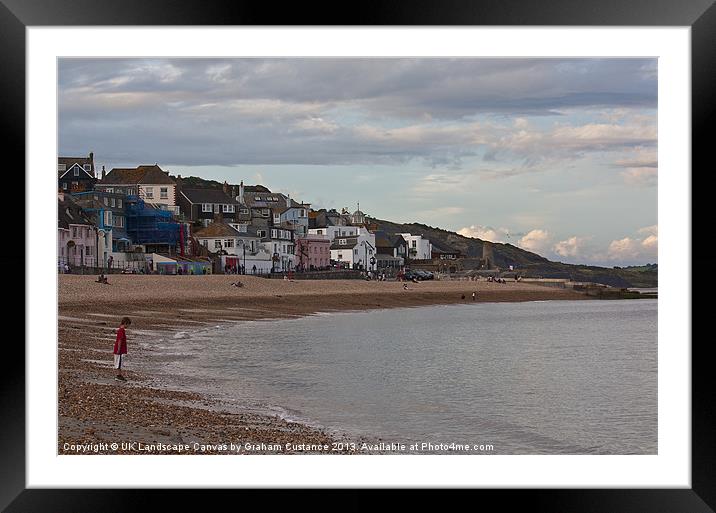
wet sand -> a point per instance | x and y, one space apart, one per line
96 411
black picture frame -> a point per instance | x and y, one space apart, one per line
700 15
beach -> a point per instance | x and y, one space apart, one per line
145 416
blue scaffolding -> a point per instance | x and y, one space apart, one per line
150 225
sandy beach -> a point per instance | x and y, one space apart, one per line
96 411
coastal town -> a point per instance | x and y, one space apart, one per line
143 220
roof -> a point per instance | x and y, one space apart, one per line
68 212
217 229
198 196
351 242
139 175
71 161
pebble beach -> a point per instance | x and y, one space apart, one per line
95 411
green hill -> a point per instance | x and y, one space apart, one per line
531 264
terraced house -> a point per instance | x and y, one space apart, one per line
149 183
76 174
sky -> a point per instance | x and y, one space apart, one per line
556 156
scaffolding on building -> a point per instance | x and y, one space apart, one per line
148 224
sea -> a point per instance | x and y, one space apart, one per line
539 377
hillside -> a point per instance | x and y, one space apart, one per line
531 264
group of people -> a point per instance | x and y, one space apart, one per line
496 280
234 269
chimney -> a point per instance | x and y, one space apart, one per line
104 173
226 187
179 182
233 191
241 192
288 200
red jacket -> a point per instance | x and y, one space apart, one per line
120 345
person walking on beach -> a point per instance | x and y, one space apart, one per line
120 347
474 295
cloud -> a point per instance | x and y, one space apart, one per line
570 248
485 233
331 111
640 175
635 248
537 241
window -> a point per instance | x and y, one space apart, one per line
106 201
74 232
217 208
356 251
109 189
77 171
130 192
114 201
119 202
217 244
163 192
319 232
244 211
205 243
108 218
88 250
206 207
229 243
64 185
242 228
261 233
342 242
149 192
274 234
61 167
265 212
414 243
88 167
227 208
277 218
302 212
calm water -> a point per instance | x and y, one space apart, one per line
576 377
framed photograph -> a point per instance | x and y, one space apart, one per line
417 252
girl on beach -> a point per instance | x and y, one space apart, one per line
120 347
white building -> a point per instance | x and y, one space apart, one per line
419 248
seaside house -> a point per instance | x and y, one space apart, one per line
76 235
313 252
150 183
419 248
76 174
107 212
201 205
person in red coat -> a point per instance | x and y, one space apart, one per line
120 347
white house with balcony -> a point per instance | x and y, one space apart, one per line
419 248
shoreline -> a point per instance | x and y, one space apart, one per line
92 415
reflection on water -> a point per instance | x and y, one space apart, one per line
577 377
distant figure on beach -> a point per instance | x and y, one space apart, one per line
254 268
237 284
67 269
474 295
463 296
405 286
120 347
